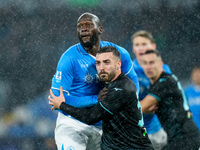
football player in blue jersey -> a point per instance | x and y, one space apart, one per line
192 93
76 73
142 42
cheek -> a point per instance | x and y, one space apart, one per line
98 68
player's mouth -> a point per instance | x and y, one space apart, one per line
141 54
103 74
85 36
149 73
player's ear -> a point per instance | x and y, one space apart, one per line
100 29
154 46
119 65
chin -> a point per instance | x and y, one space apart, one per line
149 76
104 79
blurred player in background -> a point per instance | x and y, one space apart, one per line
192 94
142 42
120 110
173 112
76 73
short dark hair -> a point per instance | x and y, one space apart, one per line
196 67
153 52
112 49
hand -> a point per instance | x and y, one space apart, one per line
102 94
56 101
153 108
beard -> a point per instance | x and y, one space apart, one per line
89 44
107 78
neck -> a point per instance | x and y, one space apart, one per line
154 79
117 75
94 49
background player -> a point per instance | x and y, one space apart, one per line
142 42
192 94
76 73
173 111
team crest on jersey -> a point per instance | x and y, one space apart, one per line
88 78
58 76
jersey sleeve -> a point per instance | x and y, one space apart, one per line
64 77
127 66
167 69
87 115
160 89
64 74
77 101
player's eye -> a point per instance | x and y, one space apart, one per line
107 62
89 25
79 26
144 44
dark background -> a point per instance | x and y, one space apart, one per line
35 33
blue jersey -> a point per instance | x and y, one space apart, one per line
151 121
193 98
77 74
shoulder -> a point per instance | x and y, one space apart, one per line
127 84
167 80
167 69
168 77
71 51
120 49
69 56
188 88
163 81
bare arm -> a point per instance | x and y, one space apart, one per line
149 104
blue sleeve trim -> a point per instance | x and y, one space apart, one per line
162 79
158 98
105 108
59 90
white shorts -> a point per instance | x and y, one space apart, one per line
158 139
71 134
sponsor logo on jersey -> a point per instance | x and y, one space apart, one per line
84 65
118 89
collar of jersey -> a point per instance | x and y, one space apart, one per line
82 50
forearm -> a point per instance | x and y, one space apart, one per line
87 115
80 102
